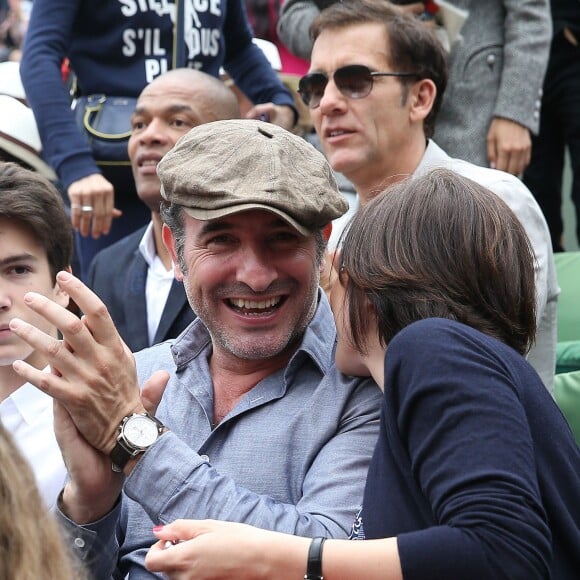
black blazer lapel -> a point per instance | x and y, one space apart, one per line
174 308
135 303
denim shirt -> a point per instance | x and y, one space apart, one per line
291 456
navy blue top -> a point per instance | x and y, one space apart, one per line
475 470
117 47
565 13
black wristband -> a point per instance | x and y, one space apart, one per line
314 566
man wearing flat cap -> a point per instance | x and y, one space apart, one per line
253 423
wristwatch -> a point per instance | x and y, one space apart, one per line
137 432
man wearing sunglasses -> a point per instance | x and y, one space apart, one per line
374 89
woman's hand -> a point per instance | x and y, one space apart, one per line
209 549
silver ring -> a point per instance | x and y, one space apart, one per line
86 208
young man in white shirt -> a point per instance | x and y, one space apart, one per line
35 243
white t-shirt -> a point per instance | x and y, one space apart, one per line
27 415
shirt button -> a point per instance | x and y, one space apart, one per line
79 543
538 104
204 458
536 114
491 59
541 93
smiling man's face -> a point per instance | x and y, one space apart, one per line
253 280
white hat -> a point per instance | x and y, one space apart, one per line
19 135
10 82
271 51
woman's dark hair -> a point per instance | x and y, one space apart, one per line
443 246
31 200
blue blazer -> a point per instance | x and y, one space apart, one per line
118 275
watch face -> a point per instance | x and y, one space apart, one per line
140 431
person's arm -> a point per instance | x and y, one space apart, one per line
293 28
46 45
527 33
94 384
172 480
455 410
249 68
211 549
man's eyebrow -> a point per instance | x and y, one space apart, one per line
171 110
210 227
213 226
24 257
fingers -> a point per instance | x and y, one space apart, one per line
96 316
263 112
174 552
159 559
509 146
67 370
92 205
77 334
153 389
281 115
167 555
51 384
58 317
414 8
492 153
515 163
512 160
183 529
81 215
83 339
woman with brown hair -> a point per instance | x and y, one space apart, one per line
30 543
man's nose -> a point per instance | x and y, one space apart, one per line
332 99
256 269
5 300
154 132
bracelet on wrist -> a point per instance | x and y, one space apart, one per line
314 565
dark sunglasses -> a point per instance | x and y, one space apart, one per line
354 81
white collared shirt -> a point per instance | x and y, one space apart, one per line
27 415
158 283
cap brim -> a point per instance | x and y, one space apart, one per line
27 154
211 214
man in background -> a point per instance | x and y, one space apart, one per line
145 301
376 85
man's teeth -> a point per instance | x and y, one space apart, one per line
149 162
255 304
336 133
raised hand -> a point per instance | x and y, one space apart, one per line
94 375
